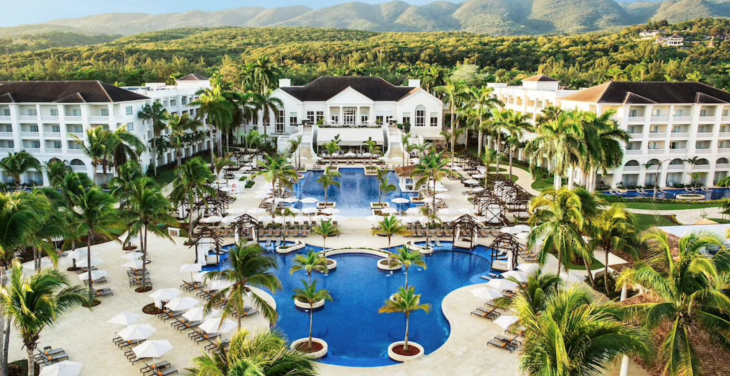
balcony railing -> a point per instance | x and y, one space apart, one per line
32 150
660 118
49 118
51 134
724 134
703 151
679 135
678 151
722 166
30 134
703 167
4 118
707 118
636 135
726 118
658 135
6 134
723 150
75 151
673 167
73 119
636 119
656 151
78 168
79 133
103 119
52 150
682 119
28 118
704 134
633 152
632 168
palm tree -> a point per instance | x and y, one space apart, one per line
607 151
532 296
94 216
329 179
613 230
56 171
688 288
372 147
98 149
488 158
36 303
431 167
560 141
310 262
265 353
692 162
16 164
249 267
408 258
264 74
122 184
480 98
390 226
192 180
149 210
405 301
515 126
179 131
215 110
310 295
277 169
219 165
572 337
124 147
453 92
50 224
266 102
559 220
325 229
385 187
156 114
294 145
433 77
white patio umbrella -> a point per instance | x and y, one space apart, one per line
501 284
477 189
136 332
198 314
95 274
256 211
66 368
152 349
519 276
266 218
528 268
290 200
522 228
471 182
236 211
309 210
165 295
467 211
522 236
413 211
509 230
215 325
572 278
389 210
295 210
350 154
79 254
330 211
220 285
446 211
309 200
443 196
134 264
367 155
485 293
400 200
211 219
125 318
182 303
229 220
478 176
200 277
131 256
506 321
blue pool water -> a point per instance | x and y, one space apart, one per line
357 192
357 335
715 194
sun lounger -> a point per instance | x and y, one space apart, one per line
166 372
42 355
492 311
124 344
511 341
103 292
153 368
484 314
501 345
50 359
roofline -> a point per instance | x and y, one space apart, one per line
350 88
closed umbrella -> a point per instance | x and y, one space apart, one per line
217 325
95 274
136 332
198 314
125 318
67 368
152 349
506 321
182 304
485 293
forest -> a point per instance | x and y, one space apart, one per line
304 54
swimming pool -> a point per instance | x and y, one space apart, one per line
357 335
359 191
715 194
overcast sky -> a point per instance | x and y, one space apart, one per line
19 12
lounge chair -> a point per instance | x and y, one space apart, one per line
511 341
153 368
492 312
50 359
103 292
215 346
166 372
501 345
205 337
484 314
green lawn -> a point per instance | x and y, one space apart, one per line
594 266
670 205
647 221
720 220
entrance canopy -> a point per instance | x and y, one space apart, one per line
349 136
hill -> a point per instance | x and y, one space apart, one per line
493 17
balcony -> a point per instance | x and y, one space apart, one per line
78 168
724 134
636 135
707 118
704 134
75 151
722 166
678 167
77 133
6 134
28 118
32 150
656 151
30 134
633 152
5 118
55 151
703 151
99 119
6 150
51 134
704 167
632 168
73 119
660 118
726 118
676 135
723 150
49 118
682 119
637 119
678 151
658 135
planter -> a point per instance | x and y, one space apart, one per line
375 205
298 245
302 305
384 264
320 353
690 197
395 351
331 264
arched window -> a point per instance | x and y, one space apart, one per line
632 163
653 162
420 116
676 162
722 161
77 162
703 162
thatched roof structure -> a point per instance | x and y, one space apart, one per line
405 172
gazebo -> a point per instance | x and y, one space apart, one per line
505 244
491 208
464 227
206 239
246 227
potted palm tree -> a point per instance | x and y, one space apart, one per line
313 347
408 258
329 179
326 229
388 227
311 262
384 188
406 301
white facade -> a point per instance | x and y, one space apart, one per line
672 41
46 129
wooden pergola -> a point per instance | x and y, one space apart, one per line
207 236
506 244
246 227
491 208
465 226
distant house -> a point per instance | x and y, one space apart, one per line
673 41
646 35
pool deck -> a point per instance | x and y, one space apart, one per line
87 337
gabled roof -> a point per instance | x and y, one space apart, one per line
324 88
193 77
65 92
650 92
540 78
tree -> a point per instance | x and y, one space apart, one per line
310 262
372 147
327 180
532 297
560 141
385 187
488 158
431 167
266 102
572 337
16 164
156 114
607 151
148 211
515 126
613 230
180 129
98 148
688 288
94 215
56 171
310 295
480 98
192 180
405 301
124 147
294 145
265 353
36 303
407 257
453 92
390 226
558 220
325 229
219 165
249 267
692 162
277 169
215 110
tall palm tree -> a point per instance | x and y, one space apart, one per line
98 148
372 148
408 257
156 114
265 74
559 221
265 353
488 158
560 141
36 303
453 92
431 167
180 128
277 169
309 294
515 126
480 98
16 164
148 211
533 295
405 301
329 179
385 187
219 166
249 267
124 147
433 77
56 171
311 262
215 110
294 145
608 149
572 337
192 180
50 225
692 162
390 226
94 216
325 229
500 124
689 290
613 230
267 103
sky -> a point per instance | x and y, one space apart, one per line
37 11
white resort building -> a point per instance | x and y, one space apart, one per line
40 117
669 123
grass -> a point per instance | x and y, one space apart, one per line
720 220
594 266
647 221
670 205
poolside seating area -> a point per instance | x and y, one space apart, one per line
48 355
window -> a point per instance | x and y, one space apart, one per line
173 102
420 116
76 112
633 113
364 119
130 127
255 120
293 118
434 119
335 119
56 128
406 117
32 112
74 145
56 145
678 112
34 144
129 110
6 112
280 121
320 116
657 113
388 117
75 129
33 128
105 112
310 116
54 112
703 112
184 100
